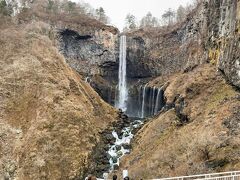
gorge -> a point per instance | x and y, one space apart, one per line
79 97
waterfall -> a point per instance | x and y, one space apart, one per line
143 101
150 99
157 101
122 84
153 101
139 101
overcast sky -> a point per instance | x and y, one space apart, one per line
118 9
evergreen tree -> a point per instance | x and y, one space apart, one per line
131 22
168 16
101 16
149 21
181 13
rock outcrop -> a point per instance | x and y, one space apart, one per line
94 54
224 37
91 52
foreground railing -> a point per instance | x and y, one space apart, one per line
233 175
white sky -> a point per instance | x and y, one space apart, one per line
117 10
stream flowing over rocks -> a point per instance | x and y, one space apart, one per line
122 144
115 142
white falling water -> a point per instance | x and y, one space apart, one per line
143 101
140 101
122 84
157 101
153 101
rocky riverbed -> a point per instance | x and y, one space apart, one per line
115 142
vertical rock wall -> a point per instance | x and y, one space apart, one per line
224 37
210 34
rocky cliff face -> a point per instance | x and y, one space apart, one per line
162 51
209 34
224 37
91 52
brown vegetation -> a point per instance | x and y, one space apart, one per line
168 147
49 117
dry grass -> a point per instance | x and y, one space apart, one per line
62 19
57 115
164 149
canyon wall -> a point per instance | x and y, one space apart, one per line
91 52
224 37
209 34
94 54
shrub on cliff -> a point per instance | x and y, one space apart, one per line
5 10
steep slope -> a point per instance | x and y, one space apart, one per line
88 45
50 118
197 132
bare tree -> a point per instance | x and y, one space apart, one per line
131 22
181 14
197 2
101 16
149 21
168 16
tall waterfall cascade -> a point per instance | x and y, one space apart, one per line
122 82
143 101
152 100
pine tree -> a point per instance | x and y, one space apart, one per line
181 13
131 21
168 16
